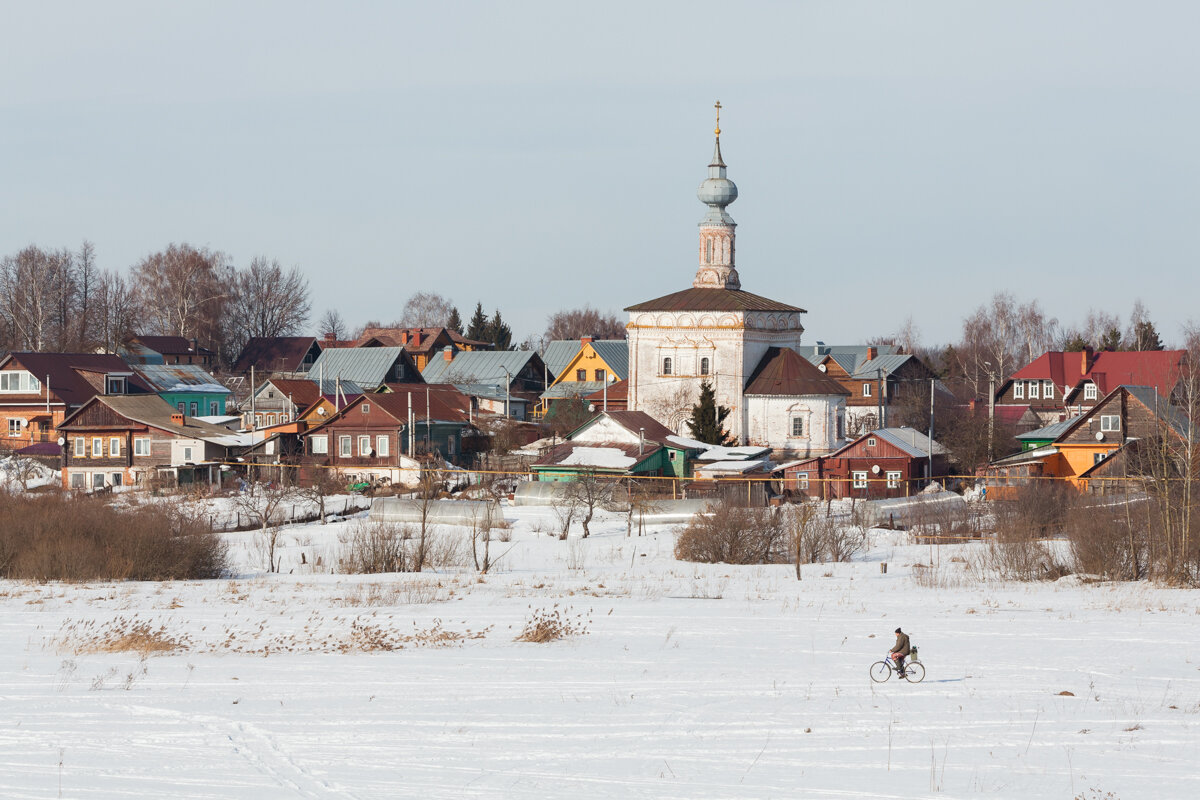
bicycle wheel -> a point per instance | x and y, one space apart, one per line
914 672
880 671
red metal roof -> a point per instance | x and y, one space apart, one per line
782 371
66 374
274 353
1108 369
712 300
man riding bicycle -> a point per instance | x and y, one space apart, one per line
901 649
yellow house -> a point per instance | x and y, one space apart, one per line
581 368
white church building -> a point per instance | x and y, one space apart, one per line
744 345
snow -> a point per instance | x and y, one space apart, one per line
734 467
692 681
608 457
36 474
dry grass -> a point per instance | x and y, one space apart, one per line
121 635
549 625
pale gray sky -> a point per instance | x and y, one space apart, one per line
893 159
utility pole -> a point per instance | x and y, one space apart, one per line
991 407
879 400
932 381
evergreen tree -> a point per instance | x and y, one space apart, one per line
1075 344
1145 337
477 330
707 417
498 333
455 321
1111 340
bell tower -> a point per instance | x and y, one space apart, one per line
717 268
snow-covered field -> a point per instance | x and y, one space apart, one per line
691 681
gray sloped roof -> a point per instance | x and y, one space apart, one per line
886 363
366 366
558 354
179 378
615 353
848 356
566 389
1050 432
1169 413
909 440
477 366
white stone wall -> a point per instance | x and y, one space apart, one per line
769 423
734 343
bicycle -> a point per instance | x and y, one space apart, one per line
914 670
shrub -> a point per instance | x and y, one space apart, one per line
73 537
372 547
732 534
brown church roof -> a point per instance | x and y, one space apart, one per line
712 300
783 371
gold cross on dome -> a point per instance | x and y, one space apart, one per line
717 106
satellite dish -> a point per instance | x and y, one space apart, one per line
61 441
821 367
1099 436
321 411
875 469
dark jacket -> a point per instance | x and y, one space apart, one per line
902 646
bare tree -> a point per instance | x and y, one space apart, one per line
332 326
267 301
35 286
576 323
183 291
324 483
1099 329
265 503
991 343
586 492
115 311
430 487
1037 332
426 310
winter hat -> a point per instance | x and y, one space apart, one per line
897 630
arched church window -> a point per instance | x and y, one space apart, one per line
704 366
666 366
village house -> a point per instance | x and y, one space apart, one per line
423 344
165 350
38 390
113 441
368 367
377 437
1057 385
886 462
491 375
279 401
1083 442
618 444
187 387
592 364
874 377
272 354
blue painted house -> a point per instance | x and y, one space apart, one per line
187 387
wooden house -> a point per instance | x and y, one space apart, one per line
113 441
38 390
423 344
368 367
491 374
279 401
887 462
271 354
872 376
187 387
166 350
617 444
591 365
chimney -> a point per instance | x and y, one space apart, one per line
1086 354
448 353
871 353
641 441
177 418
329 340
586 340
195 345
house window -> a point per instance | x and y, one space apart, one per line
399 372
320 445
193 408
381 446
600 375
344 446
19 381
1019 390
213 408
258 420
802 481
80 447
364 445
187 455
866 390
871 442
1048 390
182 407
115 479
14 427
666 366
270 419
581 374
1089 391
97 480
893 480
1033 390
366 408
114 447
97 448
270 447
704 366
77 480
860 480
1110 422
141 447
797 426
1098 457
116 386
671 455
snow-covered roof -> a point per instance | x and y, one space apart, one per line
716 452
608 457
737 467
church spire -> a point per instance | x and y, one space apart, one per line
717 270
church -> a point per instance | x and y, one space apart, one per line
747 347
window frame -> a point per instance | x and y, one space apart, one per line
141 445
364 452
705 366
859 479
97 447
1018 390
866 389
14 427
189 455
383 446
667 366
323 439
893 478
81 447
1047 390
345 446
1090 391
1034 394
581 375
797 422
601 375
114 447
1110 423
802 481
